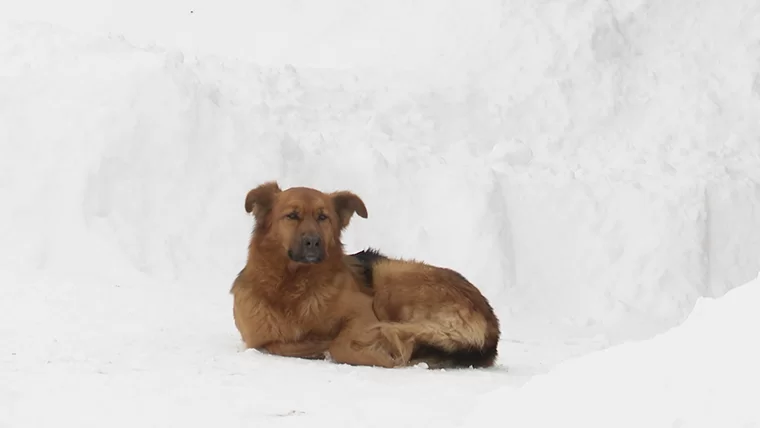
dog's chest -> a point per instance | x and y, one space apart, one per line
302 310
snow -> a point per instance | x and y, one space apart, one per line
703 373
594 167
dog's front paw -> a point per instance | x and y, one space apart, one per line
385 343
398 347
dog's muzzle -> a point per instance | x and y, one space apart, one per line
310 249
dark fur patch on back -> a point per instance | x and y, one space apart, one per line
367 258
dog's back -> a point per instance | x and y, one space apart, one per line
453 322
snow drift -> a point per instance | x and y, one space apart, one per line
587 165
703 373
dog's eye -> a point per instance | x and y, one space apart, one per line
321 217
292 216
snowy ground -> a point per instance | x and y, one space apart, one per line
83 353
593 167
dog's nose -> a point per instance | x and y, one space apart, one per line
311 241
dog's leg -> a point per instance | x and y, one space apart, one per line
392 337
312 349
358 346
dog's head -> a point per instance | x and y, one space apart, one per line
305 222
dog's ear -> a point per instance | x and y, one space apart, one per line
346 204
260 200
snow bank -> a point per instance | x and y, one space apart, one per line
703 373
633 126
575 161
402 35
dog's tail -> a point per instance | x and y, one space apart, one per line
452 345
436 358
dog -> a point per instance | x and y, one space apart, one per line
451 323
296 297
300 296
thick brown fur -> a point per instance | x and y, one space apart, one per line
296 296
445 317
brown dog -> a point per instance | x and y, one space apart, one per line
447 320
296 297
300 296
